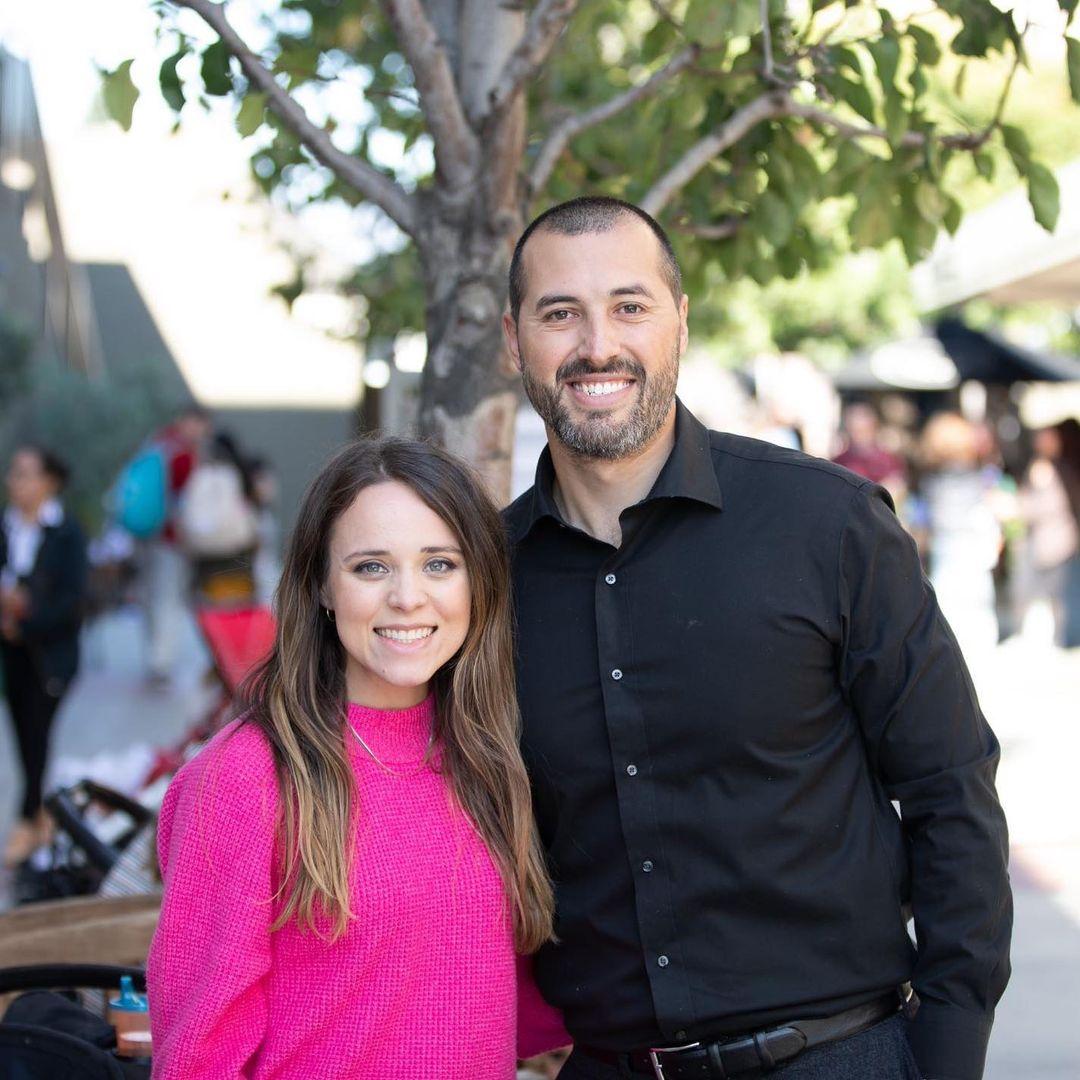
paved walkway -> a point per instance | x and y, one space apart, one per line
1031 695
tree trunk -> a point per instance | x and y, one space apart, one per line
470 391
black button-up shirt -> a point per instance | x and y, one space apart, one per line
717 715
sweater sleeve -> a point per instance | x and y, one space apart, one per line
540 1025
212 950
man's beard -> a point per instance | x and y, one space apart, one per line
596 435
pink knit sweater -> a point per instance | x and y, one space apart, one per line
422 986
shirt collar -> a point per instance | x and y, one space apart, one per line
688 473
50 514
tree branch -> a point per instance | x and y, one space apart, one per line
574 125
723 229
385 193
816 115
547 20
772 106
766 107
456 147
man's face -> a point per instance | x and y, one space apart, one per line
598 338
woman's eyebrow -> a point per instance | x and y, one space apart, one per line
382 554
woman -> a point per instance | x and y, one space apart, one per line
42 585
350 868
965 534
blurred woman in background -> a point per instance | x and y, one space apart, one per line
43 573
965 537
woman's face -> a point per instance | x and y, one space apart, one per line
399 592
28 484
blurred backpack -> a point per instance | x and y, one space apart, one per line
214 516
141 494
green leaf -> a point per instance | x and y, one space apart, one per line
841 56
216 76
773 218
1016 142
896 117
984 164
1044 195
972 40
171 88
711 24
932 151
919 82
1072 47
120 94
853 93
931 202
960 81
954 214
871 224
927 50
250 116
886 54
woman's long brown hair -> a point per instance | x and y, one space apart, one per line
297 696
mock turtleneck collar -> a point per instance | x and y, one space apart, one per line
397 736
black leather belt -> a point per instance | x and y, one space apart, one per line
761 1050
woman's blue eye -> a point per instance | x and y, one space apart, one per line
370 568
440 566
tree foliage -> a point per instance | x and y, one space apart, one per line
770 137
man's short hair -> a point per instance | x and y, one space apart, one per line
589 214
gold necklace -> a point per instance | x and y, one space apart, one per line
382 765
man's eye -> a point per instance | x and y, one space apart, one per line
632 309
561 315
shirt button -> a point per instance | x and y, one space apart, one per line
631 770
647 866
680 1036
610 579
662 960
616 674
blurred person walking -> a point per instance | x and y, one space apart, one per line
864 454
1049 497
217 524
965 536
164 567
43 571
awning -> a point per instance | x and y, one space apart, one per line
1001 252
988 358
915 363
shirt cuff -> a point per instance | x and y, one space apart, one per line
949 1043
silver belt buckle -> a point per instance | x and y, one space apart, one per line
654 1061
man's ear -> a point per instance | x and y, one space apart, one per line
684 332
509 326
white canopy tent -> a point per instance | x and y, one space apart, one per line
1001 252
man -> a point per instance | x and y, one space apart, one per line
864 454
730 663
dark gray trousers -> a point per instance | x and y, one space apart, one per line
879 1053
